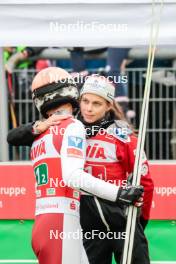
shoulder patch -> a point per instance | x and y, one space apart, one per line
121 133
124 125
75 142
75 147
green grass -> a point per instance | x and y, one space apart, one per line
15 239
162 239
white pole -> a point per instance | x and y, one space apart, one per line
132 212
4 156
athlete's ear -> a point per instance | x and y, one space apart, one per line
109 107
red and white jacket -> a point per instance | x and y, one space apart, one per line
58 157
111 155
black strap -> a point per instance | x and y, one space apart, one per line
49 88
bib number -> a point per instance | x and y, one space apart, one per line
41 174
98 171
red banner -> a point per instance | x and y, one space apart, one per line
164 200
17 191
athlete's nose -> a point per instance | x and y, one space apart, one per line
89 107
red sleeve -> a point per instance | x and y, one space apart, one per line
146 180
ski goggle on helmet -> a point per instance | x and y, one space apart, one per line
52 87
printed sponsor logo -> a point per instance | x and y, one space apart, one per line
72 205
38 150
76 142
50 191
76 194
95 151
122 133
73 152
38 193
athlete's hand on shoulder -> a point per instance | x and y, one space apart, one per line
41 126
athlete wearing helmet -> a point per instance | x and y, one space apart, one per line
110 156
58 157
53 87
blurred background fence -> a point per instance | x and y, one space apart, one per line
161 130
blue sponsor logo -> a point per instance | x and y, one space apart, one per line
121 133
75 142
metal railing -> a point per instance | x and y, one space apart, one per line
161 130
